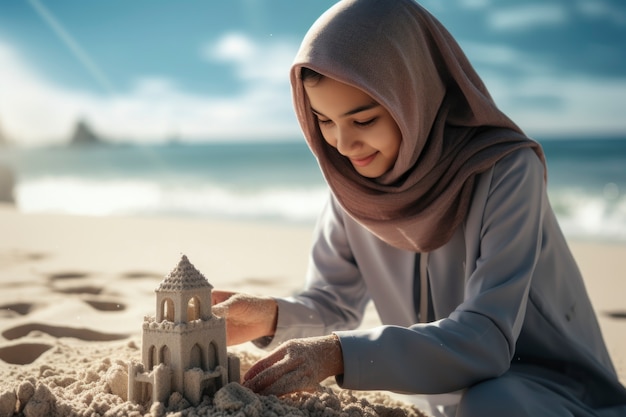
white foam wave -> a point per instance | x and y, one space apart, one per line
135 197
599 216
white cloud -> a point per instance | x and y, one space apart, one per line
254 62
527 16
542 100
232 47
503 56
30 107
33 110
576 106
601 10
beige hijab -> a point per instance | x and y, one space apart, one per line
401 56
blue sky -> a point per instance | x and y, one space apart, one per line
146 70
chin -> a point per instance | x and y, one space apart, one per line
368 173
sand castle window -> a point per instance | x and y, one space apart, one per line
195 358
165 355
193 309
168 309
212 356
151 357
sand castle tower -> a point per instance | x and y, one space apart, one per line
184 346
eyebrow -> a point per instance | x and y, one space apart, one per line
356 110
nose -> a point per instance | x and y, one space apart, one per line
345 141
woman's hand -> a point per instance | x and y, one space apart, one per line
248 317
296 365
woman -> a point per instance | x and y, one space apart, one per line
439 214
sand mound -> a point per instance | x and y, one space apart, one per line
78 380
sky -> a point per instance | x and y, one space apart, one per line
150 71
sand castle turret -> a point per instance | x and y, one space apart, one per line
184 345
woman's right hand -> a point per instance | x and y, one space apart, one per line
248 317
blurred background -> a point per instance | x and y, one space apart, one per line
183 108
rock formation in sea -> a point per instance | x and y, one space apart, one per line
84 135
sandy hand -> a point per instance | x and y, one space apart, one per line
296 365
248 317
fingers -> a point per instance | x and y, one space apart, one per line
264 364
279 374
221 302
248 317
261 381
296 365
287 383
220 296
220 310
218 302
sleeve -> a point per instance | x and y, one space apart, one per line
477 340
335 295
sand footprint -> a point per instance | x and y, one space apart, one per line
142 274
12 310
81 289
23 353
616 314
106 305
68 276
17 256
61 331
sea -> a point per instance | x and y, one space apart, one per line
276 182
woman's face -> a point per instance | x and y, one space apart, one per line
357 126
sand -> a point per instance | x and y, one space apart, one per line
74 291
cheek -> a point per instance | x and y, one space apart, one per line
393 139
391 153
384 136
328 135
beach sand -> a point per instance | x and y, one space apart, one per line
74 292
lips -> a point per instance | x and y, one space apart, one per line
363 161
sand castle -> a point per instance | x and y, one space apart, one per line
184 346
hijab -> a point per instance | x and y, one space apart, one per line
400 55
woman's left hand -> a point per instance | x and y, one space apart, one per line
296 365
248 317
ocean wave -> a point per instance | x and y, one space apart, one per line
591 215
143 197
582 214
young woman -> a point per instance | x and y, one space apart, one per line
438 213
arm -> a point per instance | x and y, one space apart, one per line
334 296
477 340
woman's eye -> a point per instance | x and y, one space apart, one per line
323 121
366 122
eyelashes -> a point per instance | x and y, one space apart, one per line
367 122
328 122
